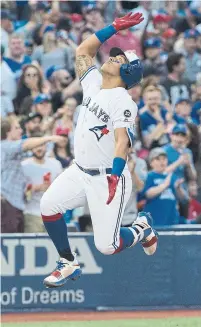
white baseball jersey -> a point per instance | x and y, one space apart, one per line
102 111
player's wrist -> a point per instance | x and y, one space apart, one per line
106 33
118 166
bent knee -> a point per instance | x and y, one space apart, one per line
46 205
106 249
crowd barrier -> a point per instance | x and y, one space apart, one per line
129 280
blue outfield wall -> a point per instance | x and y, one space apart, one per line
171 278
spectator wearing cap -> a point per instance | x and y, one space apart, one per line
29 86
29 47
40 171
180 159
162 21
62 151
183 108
42 105
153 60
192 57
8 87
62 86
175 85
49 53
32 124
17 57
13 180
168 40
161 190
77 26
153 119
6 29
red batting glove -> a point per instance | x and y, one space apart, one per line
127 21
112 185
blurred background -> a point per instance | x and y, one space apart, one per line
41 95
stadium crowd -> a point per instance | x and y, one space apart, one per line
41 97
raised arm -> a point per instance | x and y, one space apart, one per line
33 142
88 48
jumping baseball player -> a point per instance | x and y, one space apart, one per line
99 174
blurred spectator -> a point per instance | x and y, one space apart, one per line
168 40
8 87
93 17
29 47
161 21
42 105
136 94
62 151
190 20
40 172
32 124
152 57
138 170
78 25
30 85
125 40
62 86
17 58
174 84
181 160
183 109
66 121
6 29
50 54
193 58
153 119
143 7
13 180
161 190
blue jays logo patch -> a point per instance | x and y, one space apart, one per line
99 131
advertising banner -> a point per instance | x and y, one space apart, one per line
127 280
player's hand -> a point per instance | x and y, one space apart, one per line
127 21
112 185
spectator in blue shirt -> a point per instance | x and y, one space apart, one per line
153 119
183 110
17 58
152 54
180 160
161 190
193 58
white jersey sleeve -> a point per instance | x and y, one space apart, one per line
91 80
124 115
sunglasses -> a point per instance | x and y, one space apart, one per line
31 75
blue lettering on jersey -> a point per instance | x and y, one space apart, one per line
99 131
96 110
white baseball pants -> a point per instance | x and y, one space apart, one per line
73 187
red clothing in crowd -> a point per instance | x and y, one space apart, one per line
125 40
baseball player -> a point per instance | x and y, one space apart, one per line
99 174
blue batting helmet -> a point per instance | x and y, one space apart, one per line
131 72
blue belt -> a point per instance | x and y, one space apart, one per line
95 172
